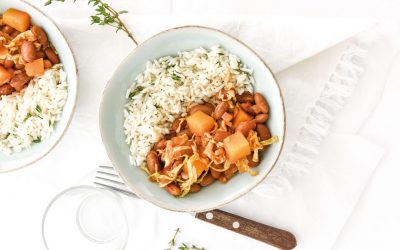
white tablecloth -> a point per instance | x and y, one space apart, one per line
25 194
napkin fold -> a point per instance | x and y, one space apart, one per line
314 208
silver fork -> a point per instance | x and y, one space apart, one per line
107 177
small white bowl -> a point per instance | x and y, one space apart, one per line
112 118
39 150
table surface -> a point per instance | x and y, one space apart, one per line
373 223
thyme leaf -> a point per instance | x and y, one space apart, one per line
27 117
135 91
38 109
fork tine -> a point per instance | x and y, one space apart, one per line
106 177
116 189
110 180
107 167
106 173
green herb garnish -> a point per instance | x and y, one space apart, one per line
27 117
37 140
186 247
183 246
105 16
38 109
172 241
135 91
176 77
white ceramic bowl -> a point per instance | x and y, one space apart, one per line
111 117
39 150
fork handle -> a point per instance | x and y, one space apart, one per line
276 237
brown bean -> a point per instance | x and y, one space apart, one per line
161 144
215 174
245 97
261 102
194 188
202 107
19 80
246 127
40 54
252 163
47 64
231 171
173 189
6 89
261 118
28 51
207 180
210 105
223 179
40 34
256 109
153 163
221 108
8 29
8 63
221 135
247 107
19 66
263 132
11 70
175 125
52 56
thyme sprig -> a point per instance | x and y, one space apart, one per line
183 246
105 16
172 241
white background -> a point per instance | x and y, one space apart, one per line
374 223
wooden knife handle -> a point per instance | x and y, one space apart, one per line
276 237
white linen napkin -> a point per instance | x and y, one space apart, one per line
300 207
314 208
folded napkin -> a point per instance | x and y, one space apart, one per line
314 202
314 208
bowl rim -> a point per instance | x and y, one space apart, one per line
115 166
46 152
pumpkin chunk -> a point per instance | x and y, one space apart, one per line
240 116
200 123
236 147
35 68
5 75
17 19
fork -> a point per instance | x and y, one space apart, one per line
106 177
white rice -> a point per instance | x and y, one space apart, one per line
29 116
169 85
